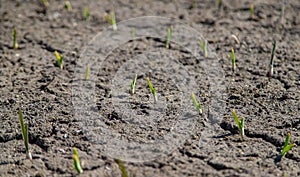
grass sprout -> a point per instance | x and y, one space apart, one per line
233 61
86 13
283 4
197 105
251 10
122 168
152 89
112 20
45 3
240 124
15 43
203 45
68 6
59 59
271 66
87 72
168 37
76 161
24 128
132 32
132 85
287 146
219 4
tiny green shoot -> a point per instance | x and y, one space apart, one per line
122 167
197 105
112 20
68 6
233 61
271 66
194 4
45 3
152 89
287 146
15 43
219 4
251 10
132 85
87 72
87 13
76 161
132 32
59 59
24 128
240 124
168 37
203 45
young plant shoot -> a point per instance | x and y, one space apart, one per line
45 3
132 85
283 3
86 14
271 66
122 168
112 20
152 89
87 72
68 6
168 37
15 43
251 10
76 161
197 105
233 61
203 45
24 128
240 124
287 146
219 4
59 59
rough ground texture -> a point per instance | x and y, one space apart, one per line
30 79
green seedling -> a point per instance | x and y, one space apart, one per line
112 20
15 43
132 85
76 161
24 128
233 61
122 168
87 13
45 3
240 124
219 4
197 105
132 32
271 66
59 59
287 146
251 10
152 89
194 4
203 45
68 6
87 72
168 37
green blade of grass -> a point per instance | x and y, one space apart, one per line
152 89
24 129
287 139
168 37
196 104
87 72
235 117
59 59
271 66
15 43
86 13
203 46
68 6
122 168
132 85
233 61
76 161
286 149
112 20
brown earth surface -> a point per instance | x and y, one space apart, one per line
30 79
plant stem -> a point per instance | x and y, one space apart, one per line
24 128
15 43
152 89
233 61
168 37
271 66
197 105
87 72
132 85
76 161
